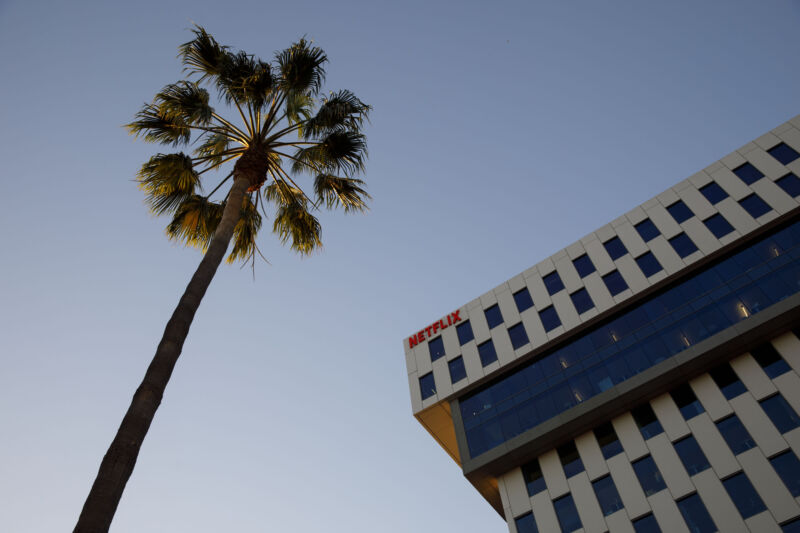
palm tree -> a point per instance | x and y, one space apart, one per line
284 128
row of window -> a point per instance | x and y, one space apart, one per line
739 488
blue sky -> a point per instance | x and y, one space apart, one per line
501 133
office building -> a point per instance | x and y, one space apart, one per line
645 378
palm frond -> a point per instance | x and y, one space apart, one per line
155 125
213 148
341 111
298 109
302 68
203 55
185 101
245 231
167 180
294 223
194 222
340 151
244 78
281 193
336 191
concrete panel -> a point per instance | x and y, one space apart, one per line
666 255
737 216
585 500
788 345
533 326
598 291
630 436
667 513
758 424
441 375
539 295
701 207
630 491
698 179
545 513
713 445
472 362
597 253
570 277
766 163
518 500
701 235
768 485
619 522
566 311
664 221
731 183
508 307
763 523
591 455
669 196
670 417
756 381
774 196
553 474
791 136
632 274
718 503
733 160
767 141
788 385
517 283
670 466
631 239
502 345
710 396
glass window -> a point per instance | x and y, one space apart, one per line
519 337
680 211
687 402
608 440
526 524
584 265
791 527
790 184
553 282
770 360
696 515
649 476
570 459
457 370
493 316
691 455
607 495
487 353
735 434
550 319
436 348
727 381
783 153
427 387
718 225
647 230
648 264
781 413
567 514
646 420
615 282
744 496
788 467
581 300
713 192
534 480
748 173
683 245
615 248
646 524
754 205
523 299
464 331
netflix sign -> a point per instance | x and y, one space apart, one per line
434 329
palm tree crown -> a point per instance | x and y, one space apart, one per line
284 129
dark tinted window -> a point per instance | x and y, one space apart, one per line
647 230
683 245
523 299
487 353
687 402
584 265
646 420
748 173
614 282
526 524
680 211
735 434
608 440
436 348
567 514
493 316
646 524
607 495
788 467
427 387
754 205
549 318
744 496
791 527
464 331
534 480
649 476
615 248
457 370
581 300
770 360
570 459
648 264
713 192
553 282
781 413
692 457
783 153
718 225
696 515
519 336
727 381
791 184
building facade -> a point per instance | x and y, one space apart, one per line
645 378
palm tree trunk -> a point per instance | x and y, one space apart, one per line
118 463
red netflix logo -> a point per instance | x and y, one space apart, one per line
434 328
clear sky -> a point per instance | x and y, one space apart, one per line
501 133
